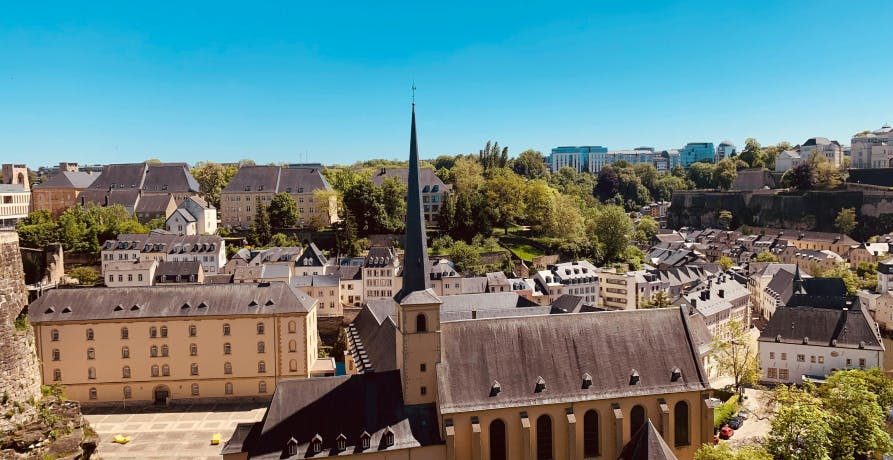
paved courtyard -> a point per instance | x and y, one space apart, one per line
176 432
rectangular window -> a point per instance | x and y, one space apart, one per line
821 360
812 359
424 391
771 355
772 373
783 374
801 358
862 363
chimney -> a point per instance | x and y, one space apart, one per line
721 293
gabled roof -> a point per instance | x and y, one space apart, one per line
647 444
844 328
114 304
254 178
154 204
170 177
561 349
302 409
179 268
69 179
183 214
311 257
426 178
373 336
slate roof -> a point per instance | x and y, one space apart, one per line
379 256
487 305
162 241
345 272
112 304
276 179
170 177
179 268
154 204
184 214
69 179
373 336
562 348
276 254
315 280
647 444
312 257
372 403
309 178
795 235
852 328
118 176
124 197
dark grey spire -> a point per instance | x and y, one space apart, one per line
415 261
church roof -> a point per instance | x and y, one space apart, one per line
843 328
646 444
561 349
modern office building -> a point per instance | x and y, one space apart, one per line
725 149
577 158
694 152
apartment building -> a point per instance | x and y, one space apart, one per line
873 149
722 299
324 288
694 152
183 343
626 290
578 278
127 184
15 195
259 184
164 246
381 274
434 191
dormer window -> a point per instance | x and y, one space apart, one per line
365 440
316 444
634 377
587 381
341 443
291 447
676 375
495 389
540 385
388 437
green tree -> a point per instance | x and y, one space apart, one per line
734 354
840 271
723 451
86 276
800 177
340 346
614 229
608 184
753 154
261 231
530 164
346 237
646 230
857 422
464 256
156 223
726 263
725 218
493 157
724 173
800 428
701 175
767 256
283 211
846 220
212 178
446 217
660 299
393 199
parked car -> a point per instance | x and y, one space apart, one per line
725 432
735 422
743 414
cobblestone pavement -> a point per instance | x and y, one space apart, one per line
757 425
175 432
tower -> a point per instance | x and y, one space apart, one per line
16 174
418 312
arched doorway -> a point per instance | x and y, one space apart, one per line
162 394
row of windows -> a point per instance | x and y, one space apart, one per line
154 331
165 370
227 389
591 433
165 351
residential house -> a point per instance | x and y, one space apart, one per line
381 273
579 278
164 246
326 289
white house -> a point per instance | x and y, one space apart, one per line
812 342
786 160
193 217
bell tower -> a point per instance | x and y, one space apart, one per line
418 311
16 174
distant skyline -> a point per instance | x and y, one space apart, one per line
116 82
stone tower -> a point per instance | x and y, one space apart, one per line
19 367
16 174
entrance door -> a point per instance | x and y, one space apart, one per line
161 395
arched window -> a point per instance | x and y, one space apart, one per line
91 353
591 447
293 365
636 419
261 367
227 348
153 351
164 331
57 375
680 424
261 347
292 327
292 346
193 349
544 438
125 333
226 329
193 369
125 352
128 393
193 331
260 328
125 372
165 350
194 389
262 387
93 393
165 370
56 354
153 332
228 388
227 368
54 334
91 373
497 440
154 370
421 323
89 334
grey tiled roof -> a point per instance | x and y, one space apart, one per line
69 179
851 328
101 304
647 444
561 349
277 179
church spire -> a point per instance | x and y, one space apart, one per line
415 261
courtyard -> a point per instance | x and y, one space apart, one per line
174 432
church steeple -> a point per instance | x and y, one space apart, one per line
415 261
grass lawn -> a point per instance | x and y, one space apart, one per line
524 251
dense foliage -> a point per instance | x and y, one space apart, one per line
78 229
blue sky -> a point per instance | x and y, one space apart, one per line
188 81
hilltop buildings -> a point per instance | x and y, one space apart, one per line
61 191
694 152
434 191
15 195
873 149
128 184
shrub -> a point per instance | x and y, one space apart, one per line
725 411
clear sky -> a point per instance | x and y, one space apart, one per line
97 82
